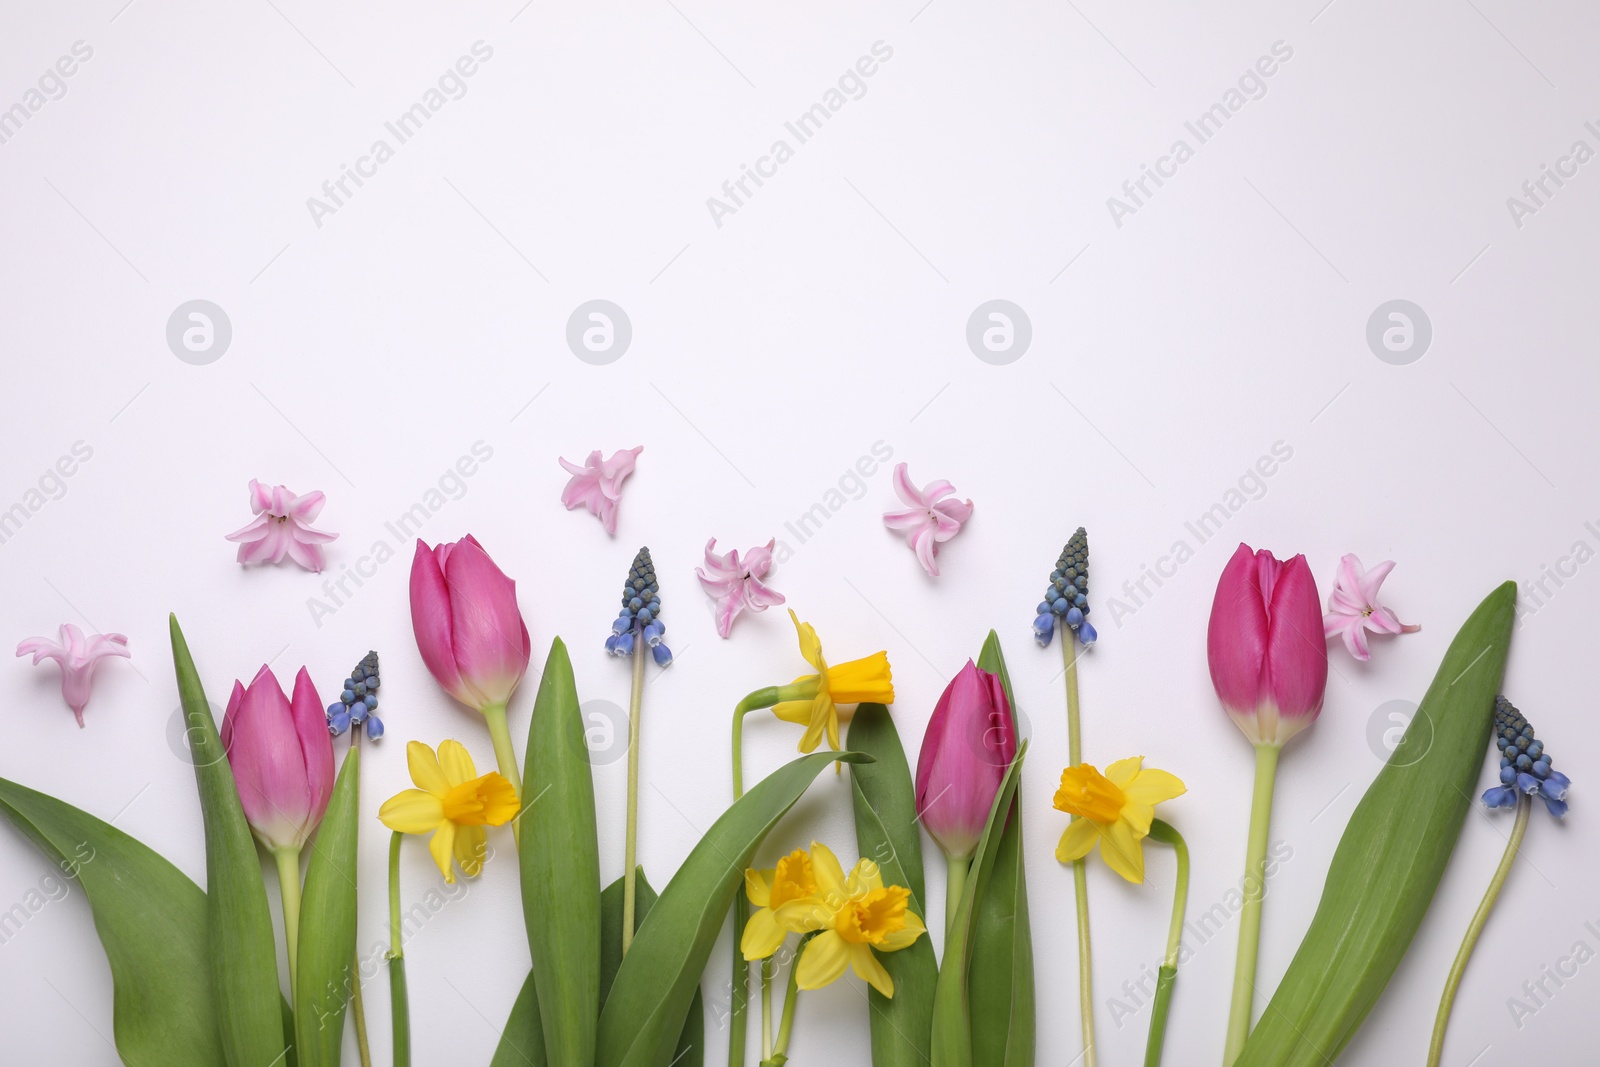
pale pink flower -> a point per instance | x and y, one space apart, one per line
1353 607
282 527
597 485
77 655
735 584
930 519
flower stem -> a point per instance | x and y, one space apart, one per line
358 1008
1168 974
766 1009
791 999
739 992
1080 874
1255 888
1468 943
630 848
288 861
399 1005
956 871
505 756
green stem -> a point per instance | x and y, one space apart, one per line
358 1008
956 871
399 1004
505 755
739 991
1468 943
791 999
288 861
1080 874
1168 974
766 1009
1255 888
630 847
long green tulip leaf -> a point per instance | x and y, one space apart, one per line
1392 855
328 924
691 1048
243 964
650 998
885 801
952 1025
561 867
1000 977
522 1041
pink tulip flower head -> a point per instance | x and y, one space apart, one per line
735 584
469 629
282 758
929 519
597 485
970 742
1268 665
1353 607
282 527
77 655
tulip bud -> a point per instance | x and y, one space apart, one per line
969 743
469 630
1265 644
282 758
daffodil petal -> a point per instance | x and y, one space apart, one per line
412 811
442 846
1076 841
758 886
810 646
425 769
813 734
804 915
1124 770
830 876
456 762
762 935
822 961
869 970
471 849
1151 786
863 878
795 711
1138 816
905 936
1123 853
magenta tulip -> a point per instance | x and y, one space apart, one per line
469 631
282 758
1268 655
970 742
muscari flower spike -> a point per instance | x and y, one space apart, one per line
1066 598
640 617
1524 764
357 705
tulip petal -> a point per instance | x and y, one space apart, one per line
1236 637
430 620
488 635
1296 665
316 744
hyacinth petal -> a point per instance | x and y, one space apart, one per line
489 639
1297 654
307 555
1236 637
956 511
760 597
902 521
254 530
924 545
906 490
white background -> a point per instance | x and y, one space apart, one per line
769 354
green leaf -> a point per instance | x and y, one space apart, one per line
952 1025
1000 977
1392 855
522 1041
151 919
243 964
885 801
561 867
640 1023
691 1050
328 924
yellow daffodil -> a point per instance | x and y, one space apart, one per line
783 896
1115 809
854 914
858 681
453 802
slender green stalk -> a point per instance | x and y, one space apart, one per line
956 870
399 1004
1080 873
630 848
766 1009
739 993
1168 974
1255 888
791 999
1474 928
358 1008
288 861
505 755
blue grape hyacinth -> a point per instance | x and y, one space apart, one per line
357 706
640 617
1066 598
1525 767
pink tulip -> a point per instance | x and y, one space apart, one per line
282 758
469 631
77 655
1269 659
970 742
